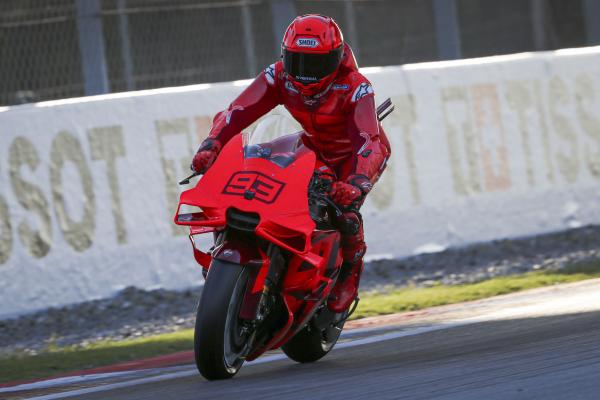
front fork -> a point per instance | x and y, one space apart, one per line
266 315
267 266
262 306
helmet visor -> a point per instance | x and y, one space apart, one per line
310 68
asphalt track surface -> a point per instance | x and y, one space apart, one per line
544 347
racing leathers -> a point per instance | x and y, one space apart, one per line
340 125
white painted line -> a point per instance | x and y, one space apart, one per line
142 381
63 381
112 386
410 332
86 378
263 360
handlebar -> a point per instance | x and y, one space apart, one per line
326 199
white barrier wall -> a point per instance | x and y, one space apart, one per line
482 149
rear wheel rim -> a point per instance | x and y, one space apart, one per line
331 334
330 337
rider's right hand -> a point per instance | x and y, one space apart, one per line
206 156
344 194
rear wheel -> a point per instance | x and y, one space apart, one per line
317 338
220 336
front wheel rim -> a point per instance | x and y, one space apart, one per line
234 340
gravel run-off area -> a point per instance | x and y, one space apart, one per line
136 313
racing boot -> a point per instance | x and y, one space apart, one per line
353 249
346 288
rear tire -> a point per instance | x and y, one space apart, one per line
312 343
218 341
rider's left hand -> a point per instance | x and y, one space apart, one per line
344 194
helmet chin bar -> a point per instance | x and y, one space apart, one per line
307 89
313 89
304 80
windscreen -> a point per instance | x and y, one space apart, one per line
281 151
265 151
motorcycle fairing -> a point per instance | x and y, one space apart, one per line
257 185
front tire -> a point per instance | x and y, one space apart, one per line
219 339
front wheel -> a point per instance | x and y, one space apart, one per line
220 338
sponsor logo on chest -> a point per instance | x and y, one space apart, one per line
341 86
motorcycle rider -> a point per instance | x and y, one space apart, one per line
318 82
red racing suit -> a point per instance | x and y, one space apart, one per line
340 125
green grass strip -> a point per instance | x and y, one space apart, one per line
410 299
56 360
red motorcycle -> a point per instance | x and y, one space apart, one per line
276 254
